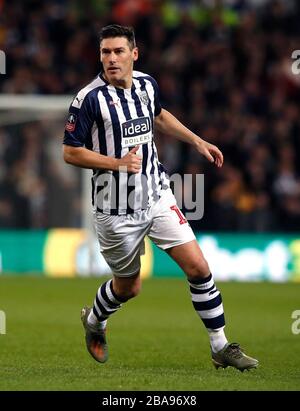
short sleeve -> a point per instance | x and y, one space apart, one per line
79 123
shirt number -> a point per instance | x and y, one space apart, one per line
182 219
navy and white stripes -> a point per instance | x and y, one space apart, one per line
207 301
106 302
111 121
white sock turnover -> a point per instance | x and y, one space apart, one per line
94 323
217 339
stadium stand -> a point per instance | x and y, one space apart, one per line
224 68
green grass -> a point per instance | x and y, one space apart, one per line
156 341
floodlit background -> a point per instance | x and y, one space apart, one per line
224 68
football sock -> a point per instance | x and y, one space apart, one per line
105 304
217 339
207 301
94 323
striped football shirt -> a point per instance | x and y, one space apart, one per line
111 121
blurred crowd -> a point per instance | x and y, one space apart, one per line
224 69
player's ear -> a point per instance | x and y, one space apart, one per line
135 53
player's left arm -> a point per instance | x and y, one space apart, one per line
166 123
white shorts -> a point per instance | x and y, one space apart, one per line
121 237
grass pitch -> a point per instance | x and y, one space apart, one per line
156 341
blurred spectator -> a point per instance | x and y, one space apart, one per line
224 69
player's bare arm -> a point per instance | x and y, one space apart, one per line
82 157
166 123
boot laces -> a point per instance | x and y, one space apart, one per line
235 350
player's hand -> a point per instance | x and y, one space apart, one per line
211 152
131 162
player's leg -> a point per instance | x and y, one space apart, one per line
172 233
206 298
127 287
121 244
109 299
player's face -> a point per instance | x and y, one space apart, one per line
117 59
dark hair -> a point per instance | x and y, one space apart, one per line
115 30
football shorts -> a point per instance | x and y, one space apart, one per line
121 237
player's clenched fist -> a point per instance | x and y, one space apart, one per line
131 162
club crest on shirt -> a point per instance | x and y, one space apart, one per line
143 95
71 122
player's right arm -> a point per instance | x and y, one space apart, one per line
82 157
82 116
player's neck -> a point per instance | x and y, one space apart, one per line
123 83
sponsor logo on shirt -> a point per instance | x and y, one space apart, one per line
137 131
